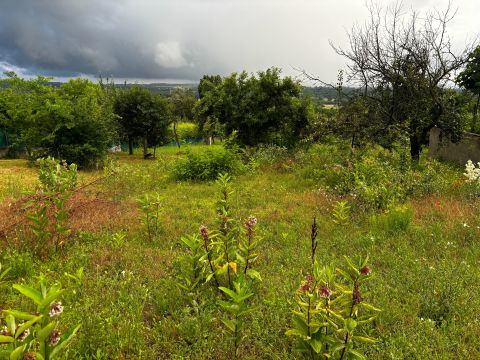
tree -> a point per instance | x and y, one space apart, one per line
262 108
73 122
142 114
183 101
469 79
404 65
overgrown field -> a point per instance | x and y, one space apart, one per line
419 224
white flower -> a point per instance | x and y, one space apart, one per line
472 172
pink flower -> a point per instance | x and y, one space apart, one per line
251 221
54 337
324 292
204 232
365 270
55 309
307 283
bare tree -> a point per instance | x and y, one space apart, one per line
405 63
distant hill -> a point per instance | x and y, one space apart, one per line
320 94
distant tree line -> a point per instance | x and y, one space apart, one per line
403 69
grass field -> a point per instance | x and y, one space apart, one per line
425 273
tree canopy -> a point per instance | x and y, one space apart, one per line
261 108
142 115
404 63
73 122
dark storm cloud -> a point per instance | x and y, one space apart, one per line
184 39
65 38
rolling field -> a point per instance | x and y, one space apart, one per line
424 262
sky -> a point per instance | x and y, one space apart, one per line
181 40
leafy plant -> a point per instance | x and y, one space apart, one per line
206 165
3 274
238 307
228 260
35 335
57 179
341 213
330 311
150 207
193 266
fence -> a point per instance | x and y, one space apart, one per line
466 149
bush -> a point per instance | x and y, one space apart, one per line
207 164
186 132
395 220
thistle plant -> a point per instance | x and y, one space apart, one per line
150 207
331 314
238 307
341 213
35 335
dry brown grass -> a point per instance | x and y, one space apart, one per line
87 211
436 208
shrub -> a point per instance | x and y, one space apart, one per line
394 220
207 164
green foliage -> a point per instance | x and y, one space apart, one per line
142 115
331 314
150 208
262 109
341 213
56 182
395 220
238 307
207 164
36 334
182 101
222 256
186 131
74 122
469 79
56 176
3 274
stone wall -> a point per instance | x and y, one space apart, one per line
466 149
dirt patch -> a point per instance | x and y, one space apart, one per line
87 212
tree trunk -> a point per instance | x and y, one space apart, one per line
130 146
175 133
145 147
414 147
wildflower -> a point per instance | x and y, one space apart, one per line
365 270
324 292
251 222
29 356
4 331
472 173
307 283
54 337
23 335
204 232
55 309
357 297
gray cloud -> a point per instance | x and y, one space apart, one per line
183 39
